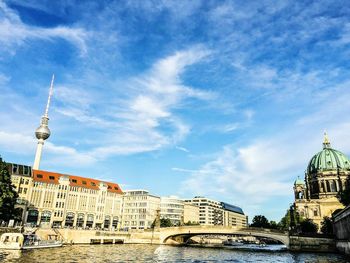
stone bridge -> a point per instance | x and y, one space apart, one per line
181 234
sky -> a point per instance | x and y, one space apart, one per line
223 99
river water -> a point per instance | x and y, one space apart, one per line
156 253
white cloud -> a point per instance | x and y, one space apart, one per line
183 149
144 119
13 32
26 145
265 169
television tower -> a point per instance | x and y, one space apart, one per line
43 132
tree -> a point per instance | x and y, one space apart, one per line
8 195
189 223
273 224
307 226
290 220
165 222
327 226
344 196
260 221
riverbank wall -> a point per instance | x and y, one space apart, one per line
311 244
76 236
341 229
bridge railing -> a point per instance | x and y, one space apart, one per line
230 228
277 231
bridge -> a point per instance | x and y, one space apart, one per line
181 235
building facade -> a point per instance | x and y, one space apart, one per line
172 208
327 173
233 216
58 200
140 209
191 213
212 212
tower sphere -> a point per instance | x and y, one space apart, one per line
43 132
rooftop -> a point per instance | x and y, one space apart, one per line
53 178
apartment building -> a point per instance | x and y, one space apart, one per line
212 212
140 209
191 213
172 208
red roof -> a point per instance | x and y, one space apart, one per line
52 178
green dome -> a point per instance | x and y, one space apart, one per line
299 182
328 159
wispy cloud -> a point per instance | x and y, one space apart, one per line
13 32
183 149
145 120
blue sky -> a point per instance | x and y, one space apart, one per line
225 99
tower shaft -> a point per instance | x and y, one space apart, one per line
39 150
43 132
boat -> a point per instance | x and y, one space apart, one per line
19 241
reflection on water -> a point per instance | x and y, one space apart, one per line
155 253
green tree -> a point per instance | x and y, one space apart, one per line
327 226
344 196
307 226
8 195
273 224
260 221
290 220
165 222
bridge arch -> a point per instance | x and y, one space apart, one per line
184 233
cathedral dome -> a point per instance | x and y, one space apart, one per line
299 182
328 159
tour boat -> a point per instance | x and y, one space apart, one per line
20 241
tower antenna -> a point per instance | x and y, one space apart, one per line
50 95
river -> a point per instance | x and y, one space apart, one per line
156 253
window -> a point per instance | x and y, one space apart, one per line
39 176
74 181
93 184
52 177
84 182
109 187
15 169
24 190
315 212
20 190
115 188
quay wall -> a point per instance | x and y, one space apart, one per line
341 229
75 236
311 244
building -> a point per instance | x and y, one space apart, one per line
21 177
233 215
326 175
191 213
212 212
58 200
172 208
140 209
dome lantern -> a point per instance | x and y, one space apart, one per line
326 142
